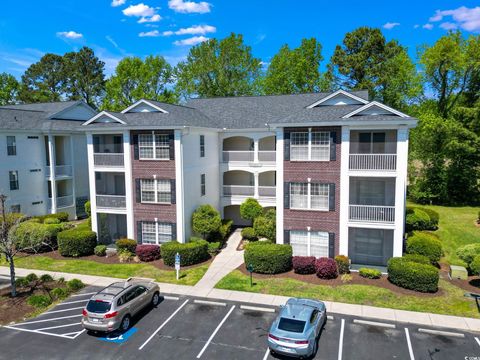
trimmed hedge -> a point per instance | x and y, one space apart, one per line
100 250
148 252
126 244
268 258
304 264
414 276
61 216
326 268
475 265
468 252
417 220
76 242
248 233
193 252
370 273
422 243
39 301
75 284
214 247
51 221
416 258
343 264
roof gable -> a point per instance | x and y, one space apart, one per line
143 105
375 108
339 97
78 111
105 117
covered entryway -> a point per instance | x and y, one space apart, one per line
233 212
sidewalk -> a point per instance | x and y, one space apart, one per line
425 319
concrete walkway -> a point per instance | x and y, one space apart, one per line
223 264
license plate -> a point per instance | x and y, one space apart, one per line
285 349
95 320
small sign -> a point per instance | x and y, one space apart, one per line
177 265
250 268
177 259
119 338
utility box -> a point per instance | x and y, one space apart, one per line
458 272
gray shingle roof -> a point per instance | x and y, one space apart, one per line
49 108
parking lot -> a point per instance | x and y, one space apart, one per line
193 328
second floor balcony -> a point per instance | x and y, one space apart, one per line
110 190
242 149
245 184
108 150
373 150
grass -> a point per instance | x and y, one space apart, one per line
456 228
451 302
87 267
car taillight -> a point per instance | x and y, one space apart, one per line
84 312
301 342
273 337
110 315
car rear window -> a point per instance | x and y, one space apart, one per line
291 325
98 306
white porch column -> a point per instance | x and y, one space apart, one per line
255 150
400 190
279 188
53 183
91 181
179 186
72 164
127 160
344 190
255 183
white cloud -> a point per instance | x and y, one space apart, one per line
193 30
463 17
428 26
69 35
416 26
448 26
260 38
153 33
139 10
390 25
116 3
154 18
182 6
190 41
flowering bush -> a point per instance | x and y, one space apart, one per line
148 252
304 264
326 268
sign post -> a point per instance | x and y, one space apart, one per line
250 270
177 264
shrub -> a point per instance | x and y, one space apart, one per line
304 264
250 209
343 264
61 217
75 284
148 252
416 258
100 250
268 258
414 276
248 233
206 220
193 252
31 278
125 255
326 268
214 247
45 278
76 242
370 273
35 237
39 301
468 252
475 265
426 244
346 278
126 244
88 208
59 293
418 220
265 225
22 282
434 218
226 228
51 221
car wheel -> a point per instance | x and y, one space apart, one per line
155 299
125 324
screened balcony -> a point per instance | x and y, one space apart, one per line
373 150
244 183
244 149
110 189
108 150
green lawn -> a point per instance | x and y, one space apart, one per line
452 302
456 228
87 267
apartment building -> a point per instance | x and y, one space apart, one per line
43 164
333 165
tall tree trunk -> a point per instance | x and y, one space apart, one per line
12 276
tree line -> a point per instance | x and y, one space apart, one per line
445 147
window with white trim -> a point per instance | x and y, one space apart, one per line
310 146
13 177
202 145
309 196
155 191
11 146
156 233
203 188
154 146
309 243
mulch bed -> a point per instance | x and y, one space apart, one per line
356 280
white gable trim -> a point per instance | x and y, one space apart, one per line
79 102
336 93
375 103
143 101
104 113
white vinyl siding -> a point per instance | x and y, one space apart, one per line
156 233
155 191
309 243
310 146
154 146
309 196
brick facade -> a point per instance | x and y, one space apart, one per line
146 169
317 171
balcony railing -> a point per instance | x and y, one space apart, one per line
108 159
373 162
111 201
60 170
267 156
372 213
239 156
62 201
267 191
238 190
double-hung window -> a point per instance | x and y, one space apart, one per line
154 146
310 146
155 191
309 243
203 188
11 146
309 196
202 145
156 233
13 177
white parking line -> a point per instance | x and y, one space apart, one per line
39 321
80 333
265 357
374 323
215 332
38 332
63 310
478 341
330 317
340 343
171 298
257 308
74 302
72 333
85 294
409 343
164 323
442 333
59 326
206 302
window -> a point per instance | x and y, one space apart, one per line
154 146
371 143
155 191
16 208
202 145
203 190
309 243
310 146
156 233
291 325
11 146
13 175
310 196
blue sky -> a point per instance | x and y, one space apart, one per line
118 28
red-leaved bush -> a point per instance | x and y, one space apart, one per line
326 268
148 252
304 264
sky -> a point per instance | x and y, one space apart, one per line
119 28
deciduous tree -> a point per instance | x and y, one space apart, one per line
9 87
